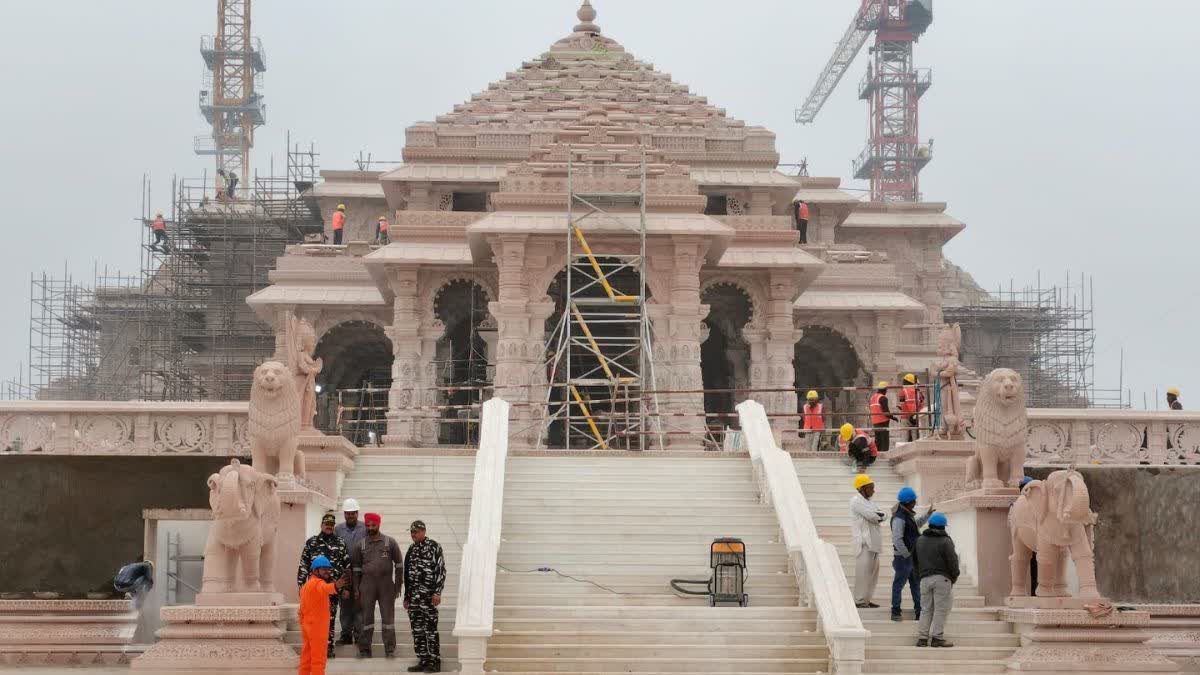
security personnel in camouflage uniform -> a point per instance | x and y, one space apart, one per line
332 547
378 576
424 578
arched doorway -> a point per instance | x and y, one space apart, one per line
352 387
461 359
826 360
725 355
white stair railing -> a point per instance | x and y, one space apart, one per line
477 577
816 562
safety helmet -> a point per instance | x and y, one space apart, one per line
158 214
906 495
910 378
1025 480
1174 391
883 384
341 207
862 480
811 395
351 504
846 431
319 562
382 218
937 520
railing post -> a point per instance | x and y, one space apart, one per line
63 441
1081 440
1156 441
143 434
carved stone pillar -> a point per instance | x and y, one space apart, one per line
677 327
760 202
781 341
429 381
756 338
887 334
515 357
403 427
488 332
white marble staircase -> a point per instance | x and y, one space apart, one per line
436 489
631 524
982 641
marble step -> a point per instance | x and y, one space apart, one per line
634 663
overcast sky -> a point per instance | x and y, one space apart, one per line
1065 130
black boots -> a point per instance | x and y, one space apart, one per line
896 616
938 642
431 666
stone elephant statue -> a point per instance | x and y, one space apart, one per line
1052 518
240 552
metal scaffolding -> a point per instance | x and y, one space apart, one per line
1044 333
600 356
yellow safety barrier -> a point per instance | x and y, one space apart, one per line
588 415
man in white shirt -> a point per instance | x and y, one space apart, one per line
865 540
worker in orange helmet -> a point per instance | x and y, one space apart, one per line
881 416
339 223
912 399
314 615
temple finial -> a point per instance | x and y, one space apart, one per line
586 15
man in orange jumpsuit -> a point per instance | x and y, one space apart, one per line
314 615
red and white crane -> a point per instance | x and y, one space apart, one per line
894 155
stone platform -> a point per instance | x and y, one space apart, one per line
203 639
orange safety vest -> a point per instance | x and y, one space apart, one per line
339 220
877 414
910 400
859 433
814 417
802 213
383 226
158 225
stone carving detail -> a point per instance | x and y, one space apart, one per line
25 433
275 421
1119 442
1053 518
104 434
445 202
1185 439
240 551
1001 428
301 342
1048 442
947 368
736 206
181 433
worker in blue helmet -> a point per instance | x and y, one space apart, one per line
937 565
906 527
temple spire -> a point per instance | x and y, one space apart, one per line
586 16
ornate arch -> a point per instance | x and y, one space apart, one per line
329 319
839 336
747 285
433 286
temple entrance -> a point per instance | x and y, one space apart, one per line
725 355
615 329
352 387
825 360
461 360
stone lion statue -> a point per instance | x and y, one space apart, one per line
275 421
240 553
1053 519
1000 430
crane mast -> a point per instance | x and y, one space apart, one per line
893 86
231 99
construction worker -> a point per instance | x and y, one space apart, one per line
222 185
231 182
159 227
1173 399
814 419
912 399
424 579
381 231
339 223
316 599
801 215
858 446
378 577
881 416
325 543
865 540
937 565
906 527
351 531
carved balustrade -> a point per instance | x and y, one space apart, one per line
745 223
1099 436
124 428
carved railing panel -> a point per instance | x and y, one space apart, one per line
124 428
1095 436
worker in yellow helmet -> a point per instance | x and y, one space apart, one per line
865 540
858 446
881 416
814 420
912 399
1173 399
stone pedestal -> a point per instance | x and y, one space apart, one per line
978 523
327 460
1059 637
202 639
937 470
66 632
299 519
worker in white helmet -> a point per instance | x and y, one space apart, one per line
352 532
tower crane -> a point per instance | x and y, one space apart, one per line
894 156
231 99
